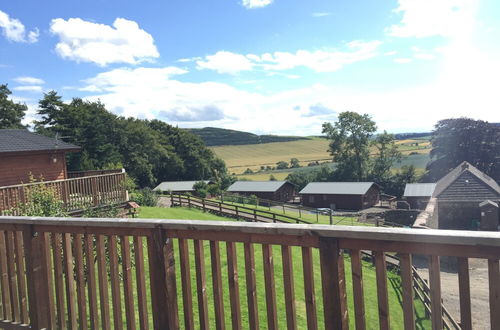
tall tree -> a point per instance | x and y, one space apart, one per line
464 139
11 113
386 154
350 144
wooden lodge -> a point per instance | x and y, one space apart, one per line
340 195
459 195
23 152
281 191
418 194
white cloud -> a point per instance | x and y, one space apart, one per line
15 31
29 81
318 61
34 89
251 4
427 18
225 62
402 60
83 41
321 14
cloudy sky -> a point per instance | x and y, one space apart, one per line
265 66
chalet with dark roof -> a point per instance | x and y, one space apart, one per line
23 152
281 191
459 195
341 195
418 194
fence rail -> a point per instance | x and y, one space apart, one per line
76 194
81 174
116 273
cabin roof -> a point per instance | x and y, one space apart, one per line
21 140
256 186
419 189
337 188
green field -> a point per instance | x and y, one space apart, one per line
369 282
240 157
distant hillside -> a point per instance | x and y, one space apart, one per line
213 136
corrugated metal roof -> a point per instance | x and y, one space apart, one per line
257 186
419 189
337 188
177 185
21 140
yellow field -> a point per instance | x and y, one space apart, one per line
239 158
253 156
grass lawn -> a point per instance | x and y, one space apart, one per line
177 213
394 287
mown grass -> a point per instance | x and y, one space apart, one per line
369 282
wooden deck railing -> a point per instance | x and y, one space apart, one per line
81 174
77 193
94 273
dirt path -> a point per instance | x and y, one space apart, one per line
478 270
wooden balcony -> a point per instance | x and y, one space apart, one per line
94 273
77 193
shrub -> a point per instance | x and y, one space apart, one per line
144 197
42 201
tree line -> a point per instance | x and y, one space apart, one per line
151 151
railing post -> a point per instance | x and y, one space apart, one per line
162 277
95 191
39 292
334 286
189 201
171 199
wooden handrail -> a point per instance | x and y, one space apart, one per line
65 258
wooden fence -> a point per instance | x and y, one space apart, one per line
94 273
81 174
76 194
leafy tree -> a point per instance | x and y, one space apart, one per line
11 113
301 178
395 184
272 178
281 165
248 171
464 139
349 144
386 155
294 163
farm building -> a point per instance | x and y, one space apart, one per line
418 194
274 190
459 195
341 195
178 186
23 152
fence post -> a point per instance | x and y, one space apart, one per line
171 199
189 201
37 274
162 277
95 191
274 217
255 215
203 203
237 215
331 217
300 213
220 208
283 205
334 286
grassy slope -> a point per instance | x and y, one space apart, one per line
368 279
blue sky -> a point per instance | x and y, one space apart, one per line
265 66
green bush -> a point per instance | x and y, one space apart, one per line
144 197
42 201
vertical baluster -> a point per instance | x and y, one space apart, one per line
103 282
494 286
234 292
11 265
435 284
127 282
201 284
59 279
333 283
70 281
21 276
405 264
217 284
309 295
464 290
80 282
272 314
140 283
187 297
291 317
115 283
253 311
357 285
91 280
382 294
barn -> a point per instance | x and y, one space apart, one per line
23 152
341 195
418 194
281 191
178 186
459 195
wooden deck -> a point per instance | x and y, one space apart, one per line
90 273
